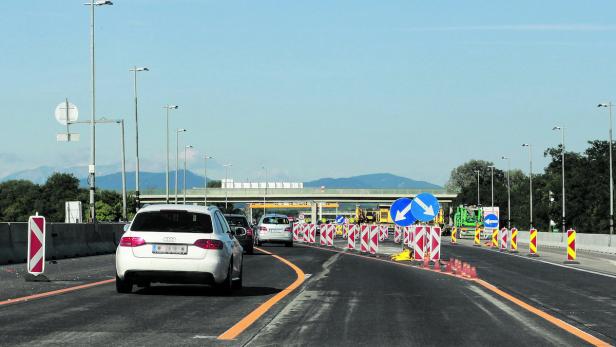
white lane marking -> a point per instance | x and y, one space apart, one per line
204 337
307 276
547 262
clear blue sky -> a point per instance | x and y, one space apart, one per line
313 88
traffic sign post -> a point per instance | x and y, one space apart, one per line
36 245
425 207
400 212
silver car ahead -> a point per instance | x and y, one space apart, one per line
274 228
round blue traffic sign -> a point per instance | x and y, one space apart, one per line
400 212
425 207
491 221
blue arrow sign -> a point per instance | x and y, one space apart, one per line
491 221
340 220
425 207
400 212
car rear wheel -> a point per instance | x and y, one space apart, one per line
123 285
238 283
226 286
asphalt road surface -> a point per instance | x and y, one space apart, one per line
346 300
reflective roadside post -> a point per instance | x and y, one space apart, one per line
226 166
478 201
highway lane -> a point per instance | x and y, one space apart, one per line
346 300
585 300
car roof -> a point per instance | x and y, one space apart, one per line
234 215
173 207
275 215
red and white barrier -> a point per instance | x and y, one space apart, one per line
419 237
313 233
405 235
345 231
351 236
36 245
503 239
375 232
411 241
331 231
364 239
435 243
305 232
397 234
323 234
384 231
295 232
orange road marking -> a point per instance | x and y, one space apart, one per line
54 292
252 317
558 322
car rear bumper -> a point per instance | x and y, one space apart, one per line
176 277
276 237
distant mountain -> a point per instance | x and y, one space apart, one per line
379 180
40 174
148 181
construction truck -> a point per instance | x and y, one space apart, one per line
466 219
365 216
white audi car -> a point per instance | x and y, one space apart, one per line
179 244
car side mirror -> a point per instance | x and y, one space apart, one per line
239 231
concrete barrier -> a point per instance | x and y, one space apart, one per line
61 240
584 242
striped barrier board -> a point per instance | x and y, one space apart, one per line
36 245
375 232
435 243
405 235
571 250
494 238
364 240
345 231
419 237
331 231
532 244
313 233
514 240
322 234
454 236
411 241
397 234
503 239
306 232
295 232
384 232
351 236
477 237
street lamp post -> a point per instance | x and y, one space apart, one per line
177 155
167 107
492 183
184 180
92 166
136 69
227 166
265 193
609 105
478 201
530 175
206 157
562 147
508 191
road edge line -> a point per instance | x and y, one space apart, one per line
542 314
253 316
54 292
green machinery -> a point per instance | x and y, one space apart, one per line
467 218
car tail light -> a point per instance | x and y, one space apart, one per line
249 231
287 229
208 244
131 241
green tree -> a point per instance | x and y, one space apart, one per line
19 199
59 188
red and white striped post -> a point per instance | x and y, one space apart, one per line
419 237
364 240
503 239
330 235
532 244
397 234
571 249
36 245
435 244
384 232
295 231
322 234
351 236
313 233
374 239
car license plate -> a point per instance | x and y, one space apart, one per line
169 249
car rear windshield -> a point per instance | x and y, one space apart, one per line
275 220
237 221
172 221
